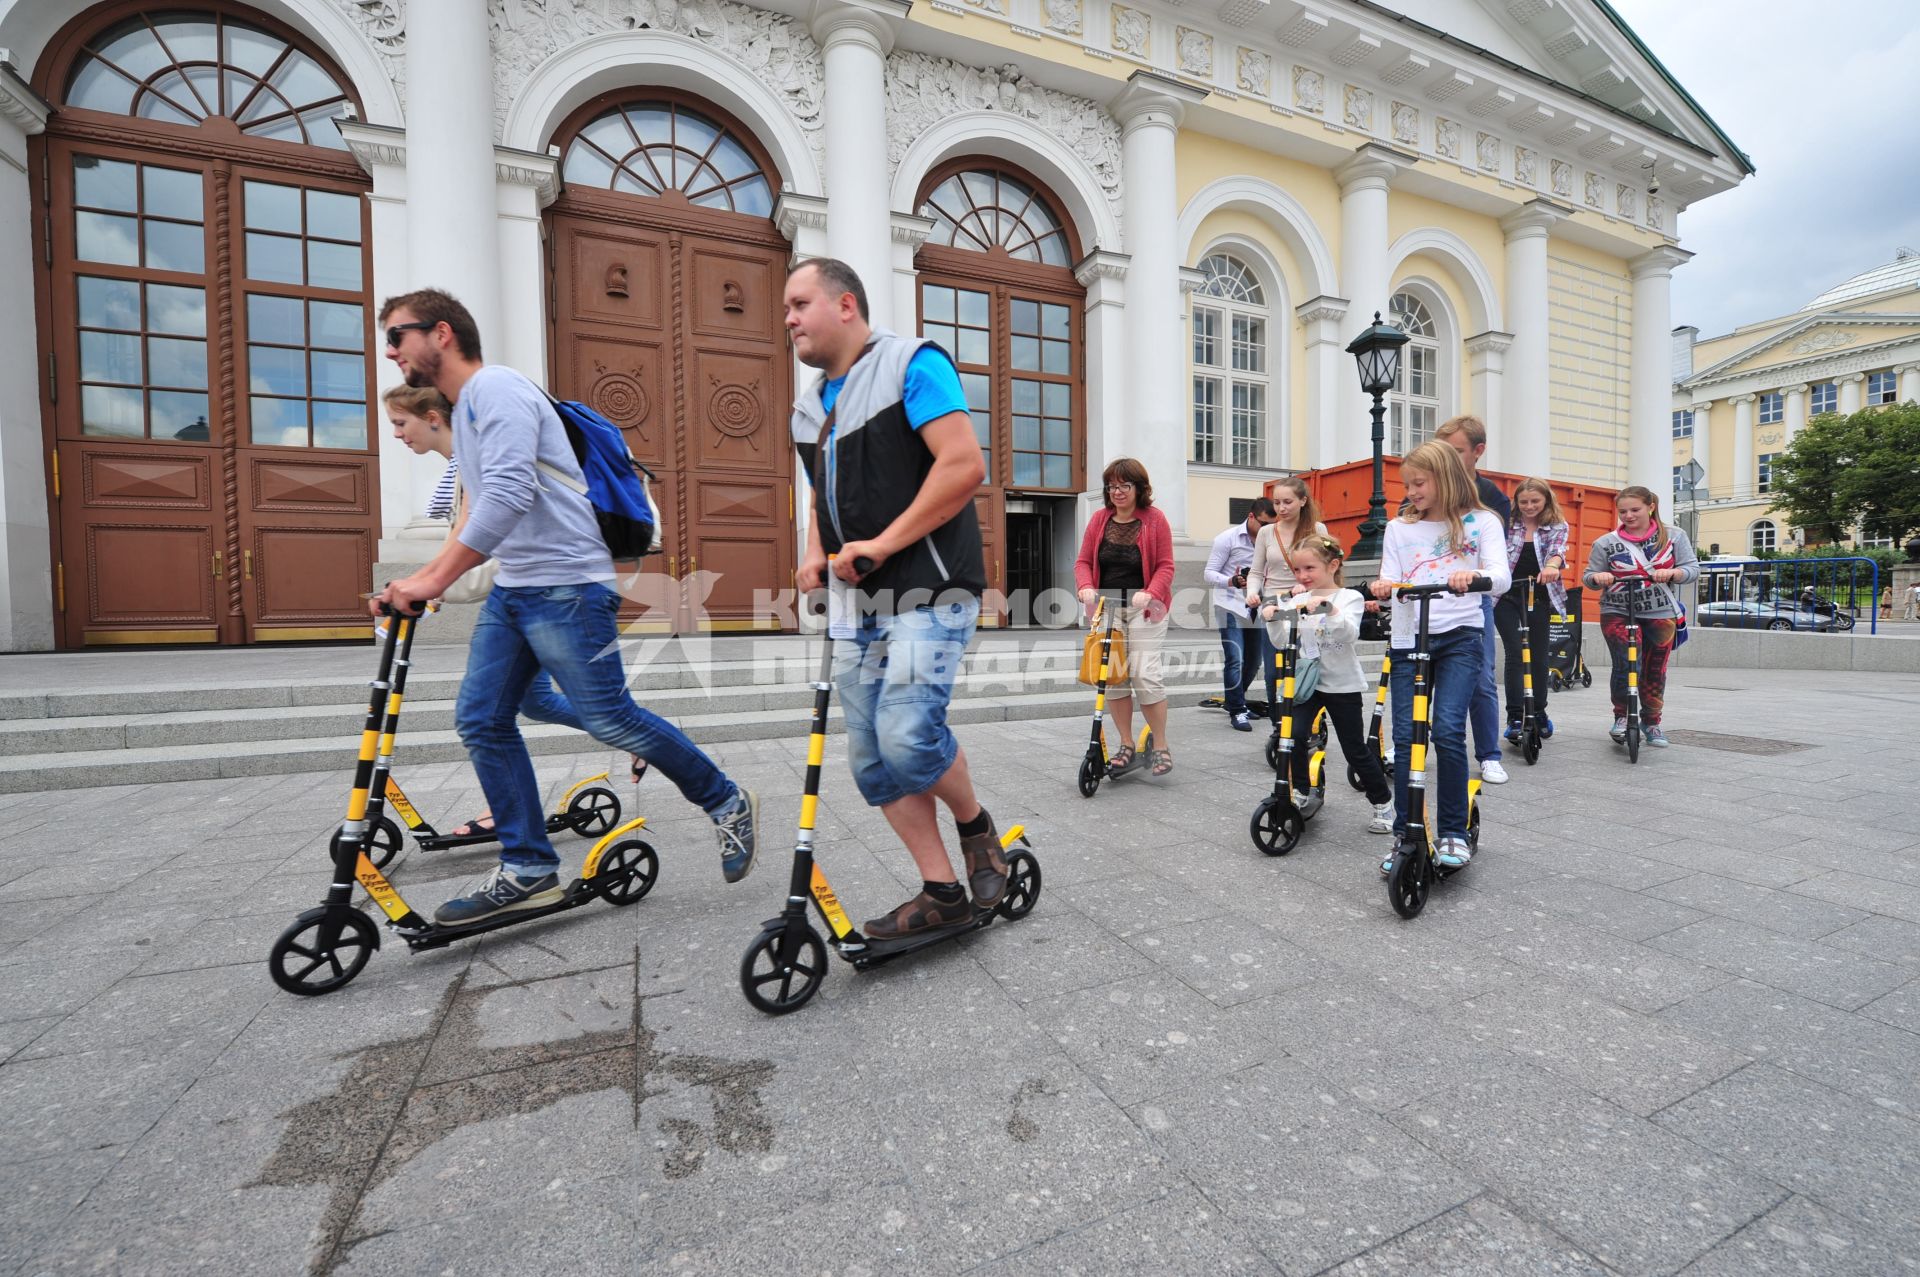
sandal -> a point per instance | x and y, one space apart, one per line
1162 761
473 828
1120 761
639 768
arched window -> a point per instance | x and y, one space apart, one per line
982 209
651 148
1763 535
182 68
1230 365
1413 407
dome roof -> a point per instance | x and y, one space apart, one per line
1902 272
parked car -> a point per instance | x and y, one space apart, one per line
1748 615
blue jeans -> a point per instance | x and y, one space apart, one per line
895 677
1455 667
568 631
1486 698
1236 674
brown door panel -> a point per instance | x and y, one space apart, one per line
614 276
650 600
142 540
623 379
308 544
731 568
989 507
735 293
737 408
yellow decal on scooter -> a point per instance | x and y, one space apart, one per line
357 804
1011 836
380 889
1417 763
809 808
816 749
830 904
398 801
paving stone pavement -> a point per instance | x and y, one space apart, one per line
1668 1022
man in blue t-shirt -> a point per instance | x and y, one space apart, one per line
886 437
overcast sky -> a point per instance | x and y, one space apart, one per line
1823 98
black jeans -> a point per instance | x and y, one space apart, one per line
1350 725
1506 617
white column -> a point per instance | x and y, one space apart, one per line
1328 367
1796 409
1149 110
909 233
1703 448
1650 370
1523 445
1744 475
855 37
26 574
1909 382
451 197
526 182
1486 375
803 220
1364 279
1853 389
1104 276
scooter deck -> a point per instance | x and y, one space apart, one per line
445 842
881 952
437 936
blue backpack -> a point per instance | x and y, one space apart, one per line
616 482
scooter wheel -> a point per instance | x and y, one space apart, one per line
1409 880
383 842
1473 828
1023 886
593 811
783 968
322 951
1554 681
1586 678
626 872
1092 771
1276 827
1273 753
1530 747
1633 742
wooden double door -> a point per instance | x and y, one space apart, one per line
669 324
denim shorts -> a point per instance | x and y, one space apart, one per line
894 678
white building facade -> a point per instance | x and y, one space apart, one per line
1143 230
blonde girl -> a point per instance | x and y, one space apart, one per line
1444 535
1329 630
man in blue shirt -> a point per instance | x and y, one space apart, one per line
885 435
1226 572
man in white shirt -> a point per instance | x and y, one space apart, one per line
1239 635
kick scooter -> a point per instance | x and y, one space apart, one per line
1374 743
1530 737
588 808
1411 867
328 945
784 966
1094 767
1277 822
1632 739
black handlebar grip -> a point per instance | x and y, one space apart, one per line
862 564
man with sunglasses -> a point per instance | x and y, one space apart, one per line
551 607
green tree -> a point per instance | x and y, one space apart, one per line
1882 487
1808 476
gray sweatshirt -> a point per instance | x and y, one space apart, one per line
541 532
1612 553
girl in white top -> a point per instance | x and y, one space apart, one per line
1329 632
1444 536
1295 515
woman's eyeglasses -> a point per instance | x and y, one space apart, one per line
1119 487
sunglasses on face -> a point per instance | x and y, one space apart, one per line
393 333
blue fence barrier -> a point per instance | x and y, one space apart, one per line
1818 596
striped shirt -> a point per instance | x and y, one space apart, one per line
445 493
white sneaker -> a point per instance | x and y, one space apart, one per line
1454 853
1493 773
1382 822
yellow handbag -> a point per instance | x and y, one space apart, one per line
1090 653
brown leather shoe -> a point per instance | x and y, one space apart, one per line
921 914
986 866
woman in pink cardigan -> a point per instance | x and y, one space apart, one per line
1128 551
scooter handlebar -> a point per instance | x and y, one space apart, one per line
1404 590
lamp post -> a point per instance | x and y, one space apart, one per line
1377 351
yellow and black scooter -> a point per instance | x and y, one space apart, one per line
1094 767
328 945
588 807
1411 867
785 964
1382 748
1278 822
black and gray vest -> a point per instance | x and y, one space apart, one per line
867 464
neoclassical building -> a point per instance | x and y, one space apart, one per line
1142 228
1739 398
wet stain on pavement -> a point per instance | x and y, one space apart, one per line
387 1109
1020 1124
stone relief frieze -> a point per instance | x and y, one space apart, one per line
384 25
1814 343
775 49
1406 124
1064 16
1196 52
1446 138
1526 166
1255 74
1132 31
1596 191
1627 200
1563 179
923 90
1358 108
1309 90
1486 150
1656 213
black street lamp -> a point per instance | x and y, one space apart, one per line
1377 351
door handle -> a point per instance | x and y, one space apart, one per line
216 565
247 564
672 562
693 565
